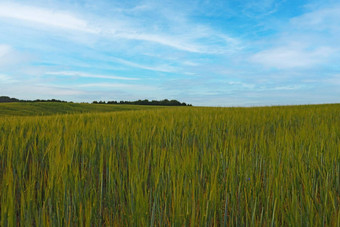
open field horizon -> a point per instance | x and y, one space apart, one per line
54 108
170 113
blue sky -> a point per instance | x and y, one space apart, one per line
209 53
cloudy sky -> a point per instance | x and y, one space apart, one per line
209 52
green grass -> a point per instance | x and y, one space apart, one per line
179 166
51 108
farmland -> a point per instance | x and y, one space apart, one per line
180 166
53 108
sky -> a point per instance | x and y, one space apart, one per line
203 52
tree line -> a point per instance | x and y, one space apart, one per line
8 99
164 102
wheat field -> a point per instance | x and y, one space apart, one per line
178 166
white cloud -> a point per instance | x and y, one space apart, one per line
57 91
307 41
175 42
7 79
288 87
185 36
117 86
41 91
10 58
4 50
333 80
241 84
162 68
203 40
44 16
81 74
321 19
256 9
190 63
292 57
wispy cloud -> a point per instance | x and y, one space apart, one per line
287 87
39 91
88 75
44 16
117 86
174 42
4 50
124 27
333 80
7 79
161 68
207 41
255 9
55 91
292 57
10 57
321 19
306 41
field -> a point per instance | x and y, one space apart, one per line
178 166
49 108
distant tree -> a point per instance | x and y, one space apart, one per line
8 99
164 102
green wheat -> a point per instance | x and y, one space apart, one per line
178 166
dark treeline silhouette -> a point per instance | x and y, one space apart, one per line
8 99
164 102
